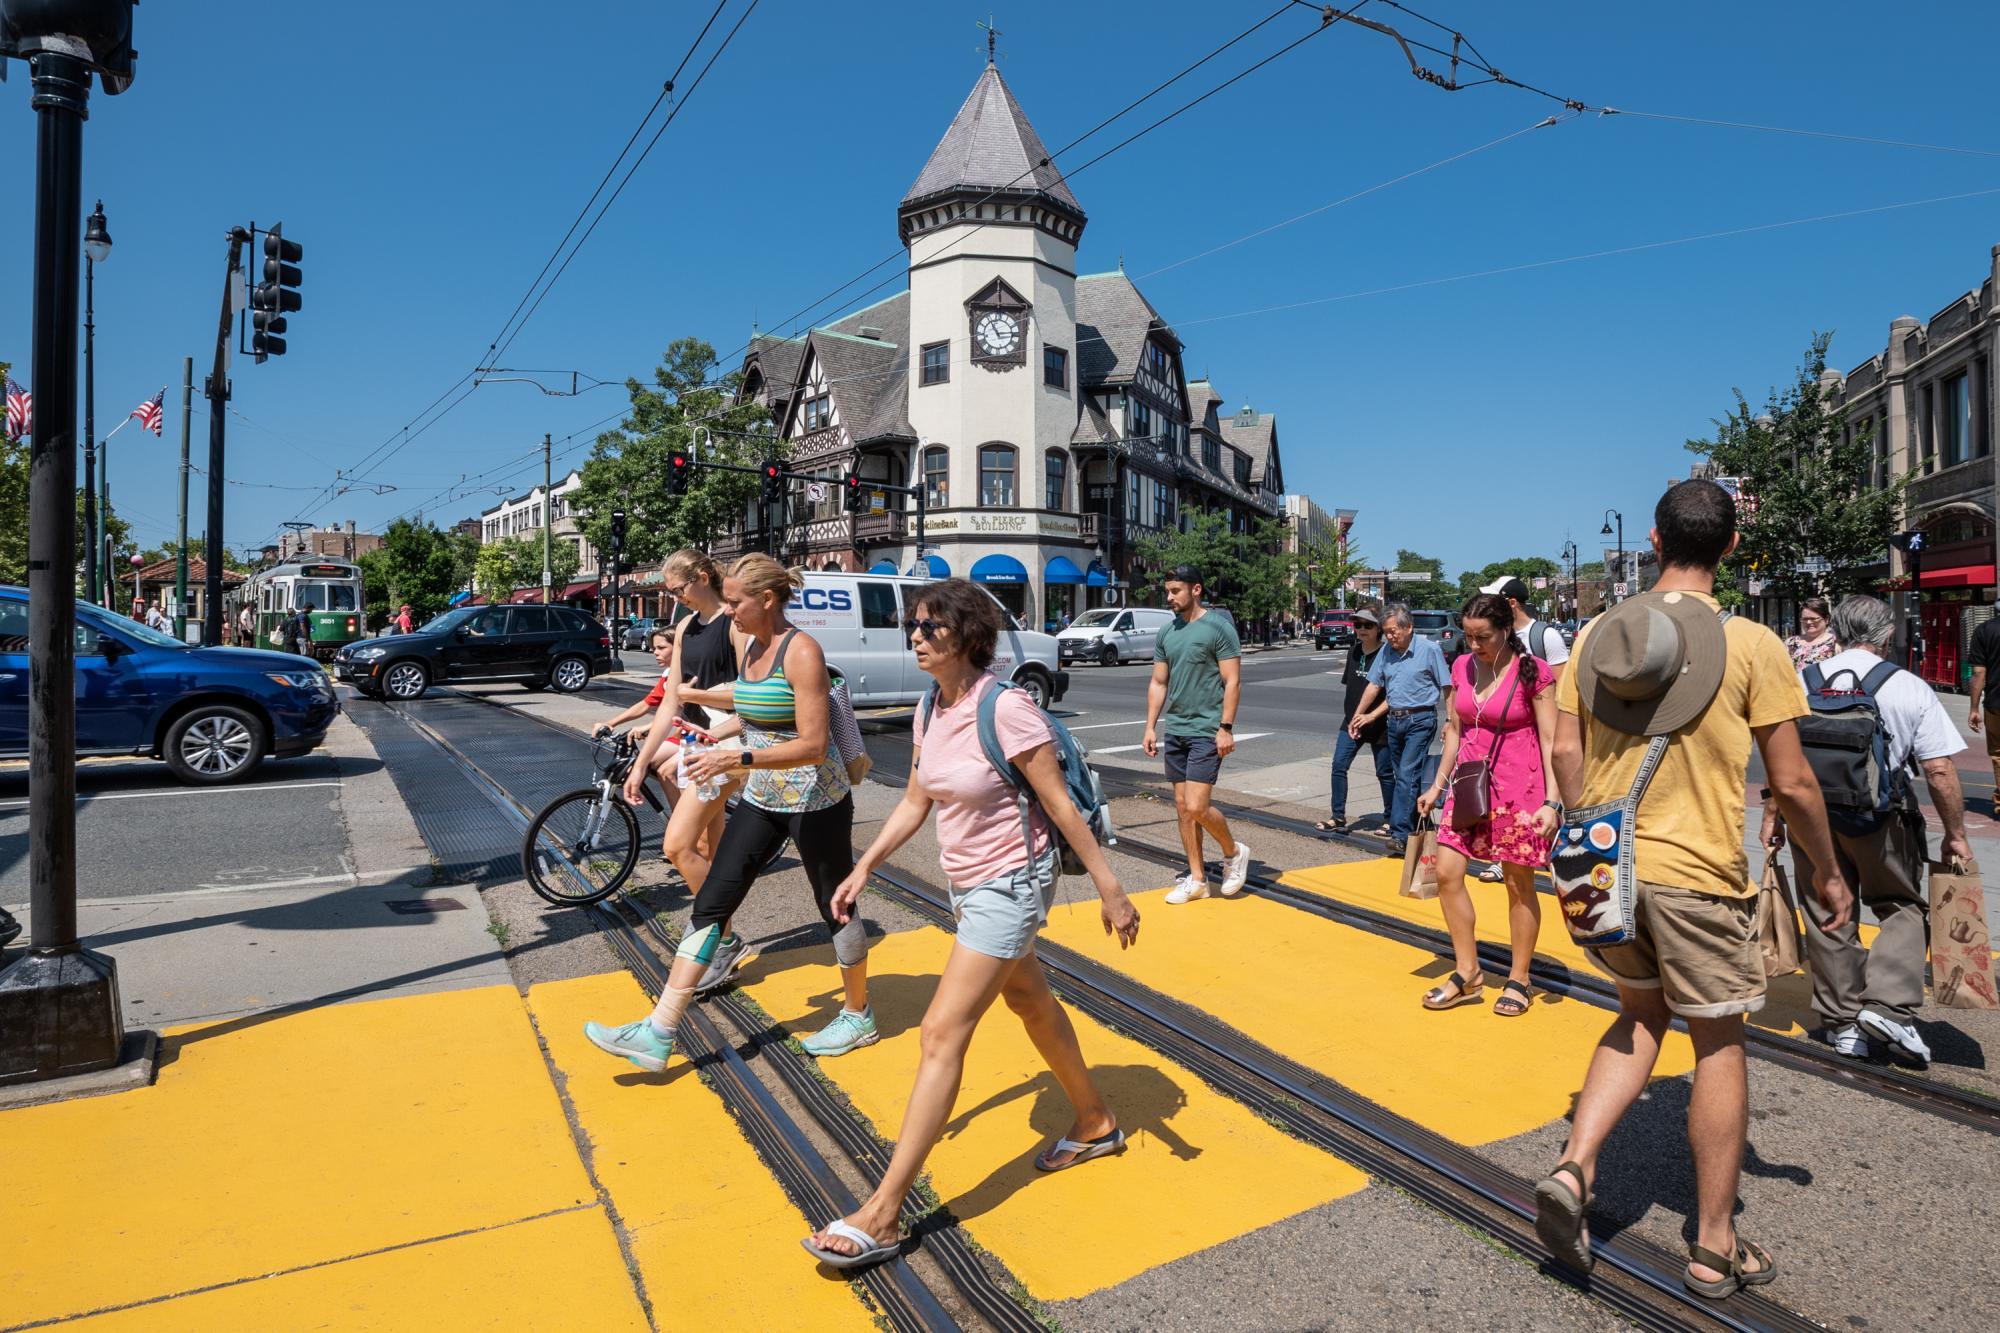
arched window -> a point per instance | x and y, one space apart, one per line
937 478
1055 488
996 475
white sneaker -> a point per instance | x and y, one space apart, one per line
1235 869
1849 1042
1187 890
1902 1039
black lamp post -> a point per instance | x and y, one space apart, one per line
96 249
1609 515
59 1007
1569 554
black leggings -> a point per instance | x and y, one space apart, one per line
825 843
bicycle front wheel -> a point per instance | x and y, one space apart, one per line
581 848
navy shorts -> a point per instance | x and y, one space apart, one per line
1192 759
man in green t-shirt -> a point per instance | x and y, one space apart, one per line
1197 671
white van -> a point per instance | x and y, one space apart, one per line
1113 634
858 620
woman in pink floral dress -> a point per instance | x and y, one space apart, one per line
1502 711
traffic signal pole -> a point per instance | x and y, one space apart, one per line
216 390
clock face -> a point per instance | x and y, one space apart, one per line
997 333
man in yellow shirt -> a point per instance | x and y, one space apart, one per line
1664 664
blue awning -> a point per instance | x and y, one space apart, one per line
882 567
932 566
1061 569
461 596
1099 576
999 569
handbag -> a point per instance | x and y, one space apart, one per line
1420 862
1777 924
1472 779
1591 865
1961 948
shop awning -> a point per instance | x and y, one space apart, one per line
460 598
526 595
1952 576
1061 569
882 567
581 588
931 566
999 569
1099 576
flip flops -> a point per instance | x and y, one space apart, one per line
1561 1219
1114 1142
872 1251
1733 1273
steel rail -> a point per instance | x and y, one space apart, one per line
1634 1277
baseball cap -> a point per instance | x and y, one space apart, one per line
1509 587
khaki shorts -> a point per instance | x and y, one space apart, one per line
1700 949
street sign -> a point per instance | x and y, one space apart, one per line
1756 587
1541 583
1617 590
1813 564
815 491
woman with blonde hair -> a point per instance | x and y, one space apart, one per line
794 786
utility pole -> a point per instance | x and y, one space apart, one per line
548 521
181 560
217 392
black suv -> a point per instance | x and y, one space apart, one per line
543 647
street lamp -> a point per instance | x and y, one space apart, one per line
1569 554
1609 515
96 249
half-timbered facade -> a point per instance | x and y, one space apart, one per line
1045 415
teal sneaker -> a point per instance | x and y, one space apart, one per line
847 1032
637 1042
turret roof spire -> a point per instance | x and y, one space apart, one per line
991 146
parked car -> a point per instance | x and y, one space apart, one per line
858 620
543 647
1336 630
634 633
1442 626
213 714
1110 635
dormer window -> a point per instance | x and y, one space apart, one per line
818 413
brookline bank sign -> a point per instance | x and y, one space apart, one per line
1022 523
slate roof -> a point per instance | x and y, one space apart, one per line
869 377
990 146
1092 426
1255 436
1112 321
779 359
1203 404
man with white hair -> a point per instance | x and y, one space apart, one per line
1863 993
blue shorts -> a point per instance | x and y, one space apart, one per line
999 918
1192 759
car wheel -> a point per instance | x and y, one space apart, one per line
569 674
406 680
1107 655
214 744
1038 687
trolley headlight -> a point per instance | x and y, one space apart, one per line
299 680
368 654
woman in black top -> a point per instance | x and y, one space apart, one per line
1367 643
707 647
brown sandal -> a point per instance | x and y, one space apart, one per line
1467 993
1507 1006
1562 1218
1734 1275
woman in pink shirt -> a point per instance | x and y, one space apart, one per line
1002 872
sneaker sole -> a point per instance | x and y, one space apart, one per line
1192 898
1898 1052
651 1064
855 1045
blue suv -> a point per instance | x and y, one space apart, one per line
212 713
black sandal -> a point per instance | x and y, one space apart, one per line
1562 1216
1435 997
1331 826
1509 1007
1734 1274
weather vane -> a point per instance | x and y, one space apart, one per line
992 36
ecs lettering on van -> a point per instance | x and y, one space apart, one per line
821 608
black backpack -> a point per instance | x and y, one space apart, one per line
1848 747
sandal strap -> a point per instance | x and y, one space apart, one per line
1708 1258
1511 984
1575 1173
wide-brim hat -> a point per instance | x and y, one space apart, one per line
1365 615
1651 664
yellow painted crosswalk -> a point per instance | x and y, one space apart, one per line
1200 1170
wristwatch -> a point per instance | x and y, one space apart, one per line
1229 727
745 760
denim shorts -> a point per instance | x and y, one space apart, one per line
999 917
1192 759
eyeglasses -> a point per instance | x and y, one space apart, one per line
677 591
928 627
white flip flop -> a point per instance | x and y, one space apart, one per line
872 1251
1111 1143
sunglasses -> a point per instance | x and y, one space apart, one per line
928 627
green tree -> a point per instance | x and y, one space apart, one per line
1806 487
516 562
196 549
14 465
1429 592
1248 572
1336 562
1526 568
682 409
416 563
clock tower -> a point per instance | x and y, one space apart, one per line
992 230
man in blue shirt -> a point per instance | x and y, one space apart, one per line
1406 682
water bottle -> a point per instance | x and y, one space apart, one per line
695 741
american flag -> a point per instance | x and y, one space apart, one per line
20 410
152 412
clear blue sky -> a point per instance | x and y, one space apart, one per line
429 156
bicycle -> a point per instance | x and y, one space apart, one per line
584 844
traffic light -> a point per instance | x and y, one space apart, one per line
1913 540
774 483
857 499
680 471
617 530
276 294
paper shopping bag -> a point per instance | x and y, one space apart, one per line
1961 949
1420 862
1777 924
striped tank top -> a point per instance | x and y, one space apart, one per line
769 711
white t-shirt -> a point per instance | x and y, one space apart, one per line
1911 711
1555 650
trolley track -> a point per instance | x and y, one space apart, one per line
895 1290
1637 1279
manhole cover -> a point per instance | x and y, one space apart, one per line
423 906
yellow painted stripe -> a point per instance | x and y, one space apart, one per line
1372 884
271 1144
716 1239
1200 1168
556 1272
1346 1003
